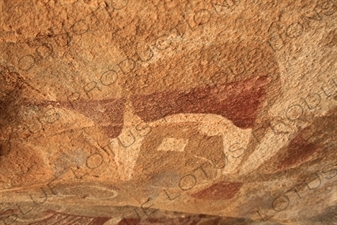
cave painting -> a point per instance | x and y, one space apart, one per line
62 218
237 98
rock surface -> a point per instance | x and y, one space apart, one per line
168 112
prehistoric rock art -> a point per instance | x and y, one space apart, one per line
168 112
61 218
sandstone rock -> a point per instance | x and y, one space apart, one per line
168 112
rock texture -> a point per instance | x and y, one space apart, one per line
168 112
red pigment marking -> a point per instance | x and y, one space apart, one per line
219 191
162 221
112 131
237 101
298 150
68 219
99 221
8 212
127 221
104 111
108 114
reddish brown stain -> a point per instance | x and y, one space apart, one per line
5 147
236 101
69 219
298 150
99 221
219 191
184 219
112 131
127 221
108 114
195 219
8 212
